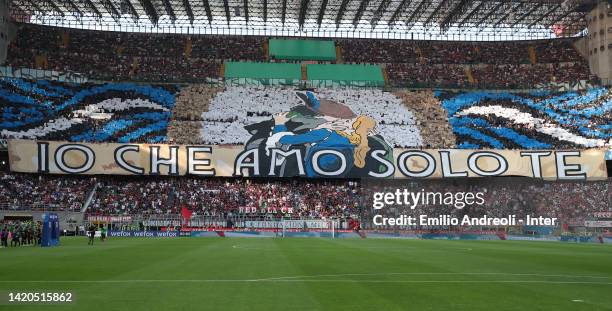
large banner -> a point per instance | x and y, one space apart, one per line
329 161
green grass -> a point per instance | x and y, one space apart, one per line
313 274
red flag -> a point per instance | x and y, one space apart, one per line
186 213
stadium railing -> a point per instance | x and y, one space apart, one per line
5 206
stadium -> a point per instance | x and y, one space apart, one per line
305 155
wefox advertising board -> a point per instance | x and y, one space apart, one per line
278 161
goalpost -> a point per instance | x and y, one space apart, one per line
324 228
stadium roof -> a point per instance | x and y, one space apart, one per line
555 17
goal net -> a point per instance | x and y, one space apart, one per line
308 228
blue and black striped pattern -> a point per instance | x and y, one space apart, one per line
536 120
132 112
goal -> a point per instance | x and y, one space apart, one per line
308 228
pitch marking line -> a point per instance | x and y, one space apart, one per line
312 278
364 248
434 273
313 281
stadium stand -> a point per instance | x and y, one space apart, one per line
116 56
448 52
507 197
293 198
227 121
232 114
43 192
220 197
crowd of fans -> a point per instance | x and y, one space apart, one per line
505 76
223 197
421 75
38 192
523 76
120 56
571 203
298 198
452 52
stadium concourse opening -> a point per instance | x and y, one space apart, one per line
305 155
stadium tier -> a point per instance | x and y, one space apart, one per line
223 198
119 56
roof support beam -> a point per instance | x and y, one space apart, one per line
382 8
93 8
491 11
245 3
398 11
359 13
150 10
54 7
510 12
302 15
416 13
321 12
284 11
208 11
265 10
455 13
188 11
130 7
472 13
74 8
341 12
33 4
227 11
110 8
522 17
435 11
169 10
545 15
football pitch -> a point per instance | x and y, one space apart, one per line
312 274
